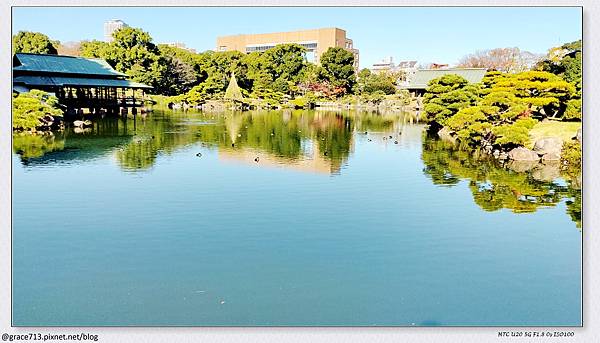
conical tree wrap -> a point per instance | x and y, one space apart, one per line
233 91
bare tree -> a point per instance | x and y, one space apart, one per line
510 60
69 48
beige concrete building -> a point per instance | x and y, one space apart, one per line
316 42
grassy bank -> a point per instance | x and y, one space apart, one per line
565 130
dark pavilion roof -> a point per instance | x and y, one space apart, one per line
43 70
33 81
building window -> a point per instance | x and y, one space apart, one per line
310 46
310 56
259 48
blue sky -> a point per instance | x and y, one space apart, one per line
434 34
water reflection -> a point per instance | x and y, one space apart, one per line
305 140
318 142
521 188
30 146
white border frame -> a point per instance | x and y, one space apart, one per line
590 332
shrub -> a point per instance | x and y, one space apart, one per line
306 101
573 110
514 134
571 155
30 108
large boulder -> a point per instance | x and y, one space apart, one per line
522 166
549 145
523 154
446 135
579 135
551 156
546 172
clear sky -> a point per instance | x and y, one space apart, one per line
433 34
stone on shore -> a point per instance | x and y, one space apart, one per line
446 135
523 154
549 145
579 135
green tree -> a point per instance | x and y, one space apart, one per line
447 95
179 77
504 116
337 67
219 66
94 49
33 42
565 61
573 110
33 109
133 53
280 67
369 83
543 93
197 61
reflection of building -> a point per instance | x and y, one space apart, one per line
316 42
112 26
417 82
313 162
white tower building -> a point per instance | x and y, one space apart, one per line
111 26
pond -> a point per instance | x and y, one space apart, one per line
286 218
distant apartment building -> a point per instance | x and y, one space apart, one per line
407 70
384 66
418 82
316 42
388 65
404 69
112 26
180 45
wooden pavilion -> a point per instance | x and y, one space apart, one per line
78 82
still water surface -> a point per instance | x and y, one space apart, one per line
309 218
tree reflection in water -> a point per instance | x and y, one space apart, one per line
315 141
285 136
494 186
